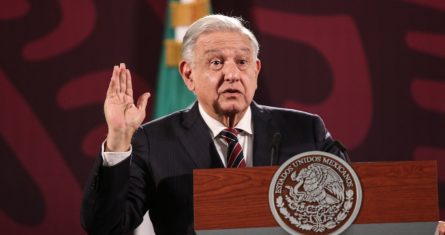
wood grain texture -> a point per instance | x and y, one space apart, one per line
392 192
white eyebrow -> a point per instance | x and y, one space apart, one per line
210 51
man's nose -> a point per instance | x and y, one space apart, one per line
231 72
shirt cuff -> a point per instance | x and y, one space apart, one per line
113 158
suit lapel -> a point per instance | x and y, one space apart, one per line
197 141
263 129
199 145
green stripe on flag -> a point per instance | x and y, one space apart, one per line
171 93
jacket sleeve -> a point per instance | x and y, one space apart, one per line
115 198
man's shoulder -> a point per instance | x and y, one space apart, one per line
282 112
171 120
165 120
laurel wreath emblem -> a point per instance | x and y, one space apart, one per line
315 192
316 218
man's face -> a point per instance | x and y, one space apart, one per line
223 74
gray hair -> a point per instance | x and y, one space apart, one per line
215 23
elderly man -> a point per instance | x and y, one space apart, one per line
149 167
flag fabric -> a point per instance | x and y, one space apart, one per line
171 94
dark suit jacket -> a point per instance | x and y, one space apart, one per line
158 175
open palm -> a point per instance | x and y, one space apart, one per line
122 115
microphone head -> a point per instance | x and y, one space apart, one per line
340 145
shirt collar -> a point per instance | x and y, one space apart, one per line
216 127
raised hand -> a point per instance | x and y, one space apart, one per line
122 115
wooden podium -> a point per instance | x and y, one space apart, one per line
398 198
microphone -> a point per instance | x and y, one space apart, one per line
337 148
274 149
343 151
340 145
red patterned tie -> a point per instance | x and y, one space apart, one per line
235 156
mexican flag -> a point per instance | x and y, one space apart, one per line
171 93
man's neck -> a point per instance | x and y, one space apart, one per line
231 120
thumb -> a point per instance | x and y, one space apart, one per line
143 100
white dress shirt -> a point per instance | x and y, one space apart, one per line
113 158
245 138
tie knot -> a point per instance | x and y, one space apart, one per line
232 130
229 134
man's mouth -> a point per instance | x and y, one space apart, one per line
231 91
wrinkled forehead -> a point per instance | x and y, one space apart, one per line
223 42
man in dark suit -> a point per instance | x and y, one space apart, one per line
149 167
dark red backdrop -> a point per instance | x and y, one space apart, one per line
374 70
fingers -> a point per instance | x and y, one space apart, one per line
113 87
119 81
143 100
122 78
129 90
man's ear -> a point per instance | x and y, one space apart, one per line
258 66
185 69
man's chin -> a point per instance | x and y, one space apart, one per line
231 108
